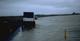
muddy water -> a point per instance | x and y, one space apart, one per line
53 29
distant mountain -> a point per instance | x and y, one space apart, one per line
40 15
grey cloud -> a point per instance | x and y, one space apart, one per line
39 6
56 3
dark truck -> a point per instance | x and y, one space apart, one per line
28 20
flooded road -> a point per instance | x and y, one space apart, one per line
53 29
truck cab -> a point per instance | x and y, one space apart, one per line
28 20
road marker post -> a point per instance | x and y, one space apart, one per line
65 34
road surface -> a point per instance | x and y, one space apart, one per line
53 29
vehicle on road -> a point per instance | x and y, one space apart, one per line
28 20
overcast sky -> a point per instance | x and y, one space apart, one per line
17 7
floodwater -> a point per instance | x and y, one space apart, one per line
54 28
